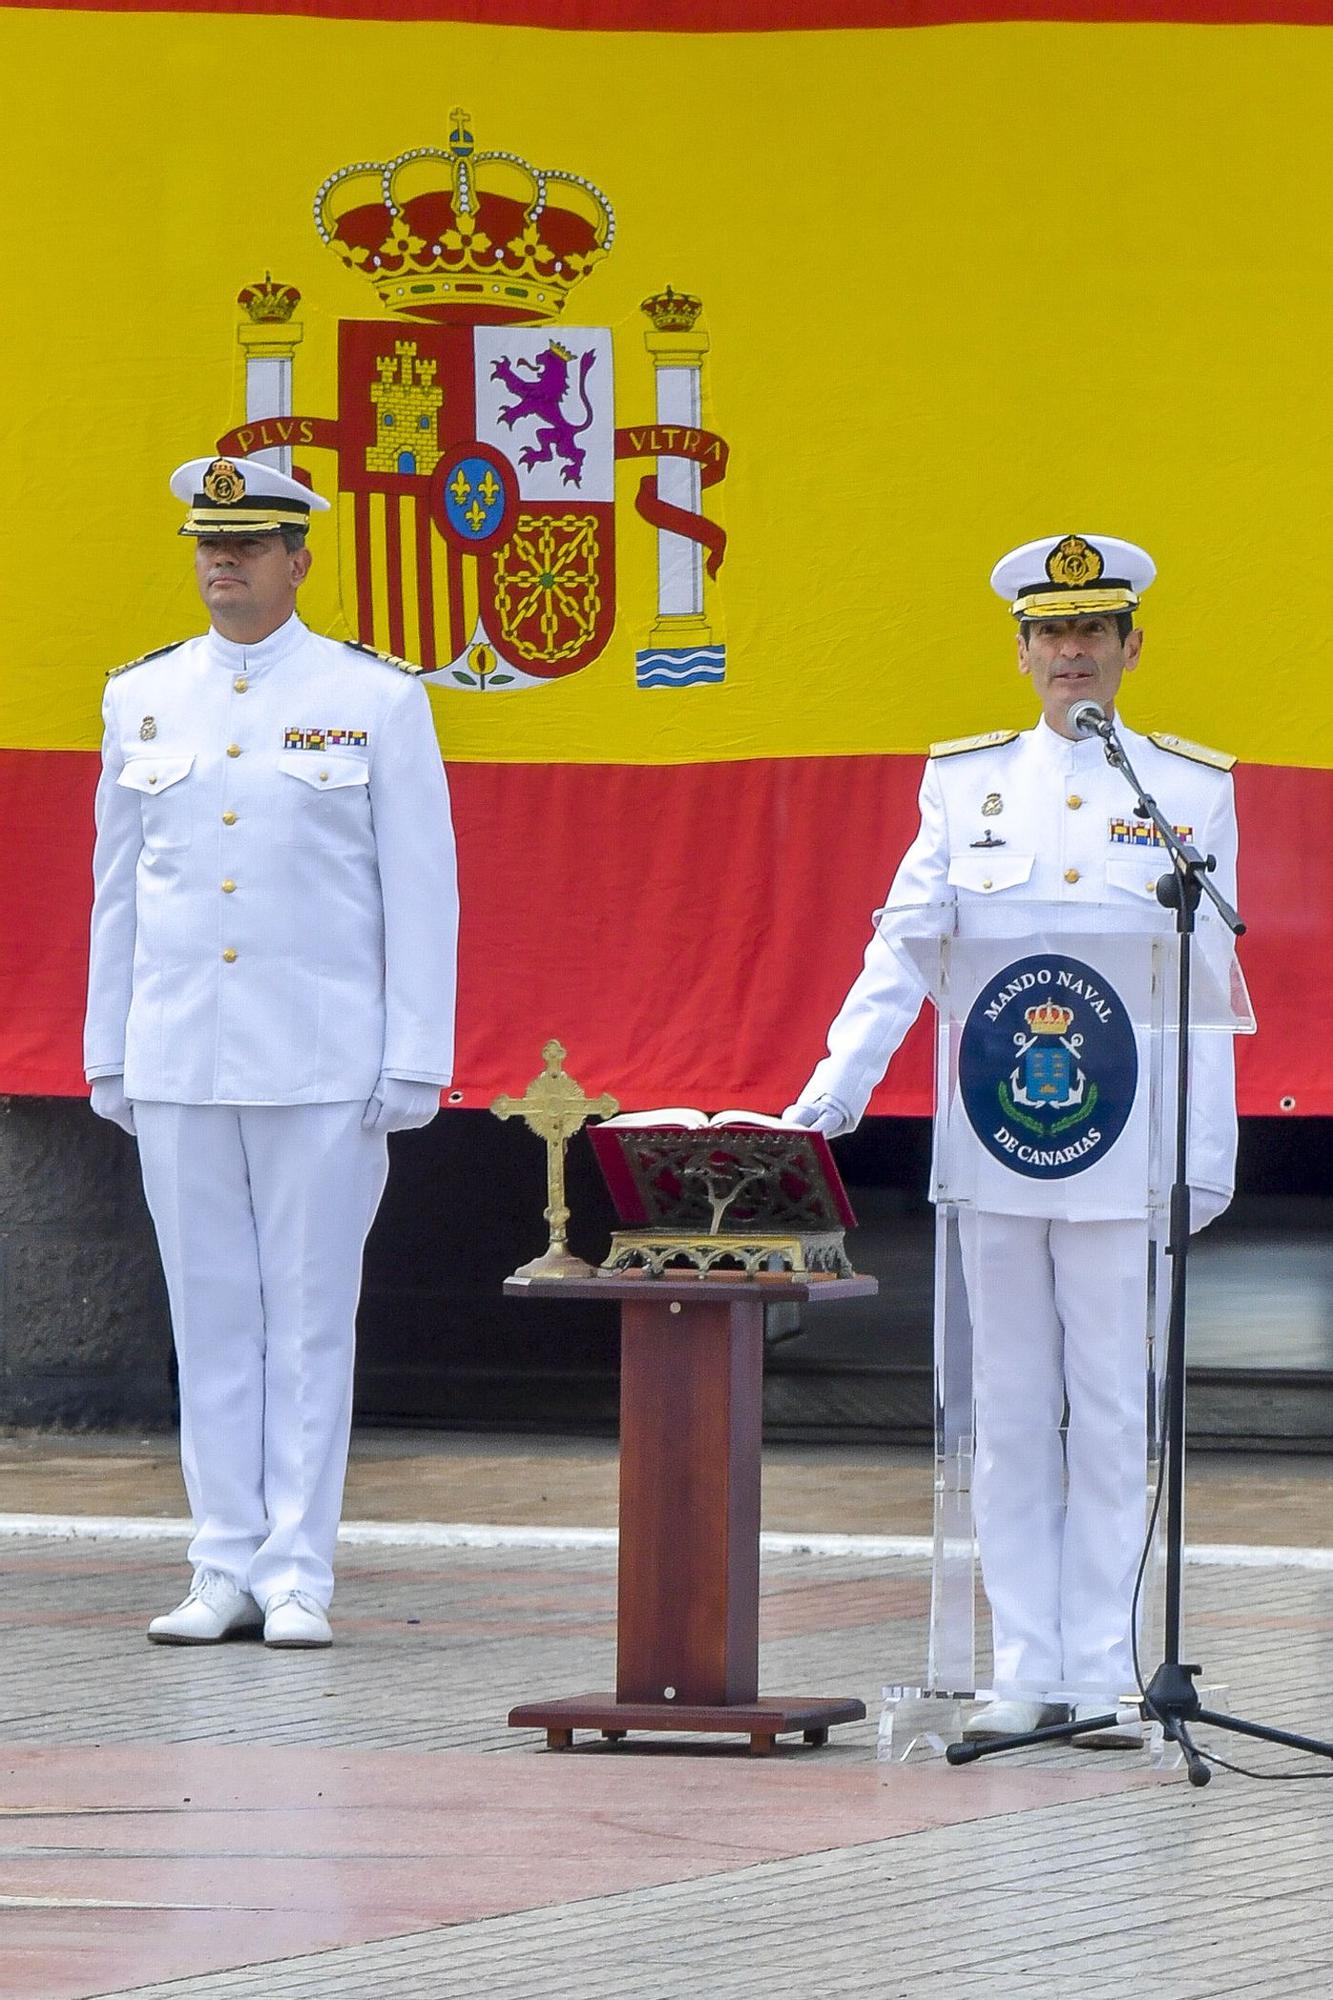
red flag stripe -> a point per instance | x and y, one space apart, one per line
739 16
670 979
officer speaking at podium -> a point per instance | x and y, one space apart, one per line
271 992
1056 1299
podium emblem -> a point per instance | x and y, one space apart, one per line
1048 1067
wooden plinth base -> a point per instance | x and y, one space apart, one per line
762 1721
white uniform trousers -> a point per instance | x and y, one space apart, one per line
262 1213
1059 1309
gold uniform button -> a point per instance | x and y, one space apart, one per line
1073 802
1071 874
233 749
153 779
229 888
229 819
988 884
323 777
229 956
240 684
1151 882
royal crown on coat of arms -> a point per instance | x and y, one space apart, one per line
462 237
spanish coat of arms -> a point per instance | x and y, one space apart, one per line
476 444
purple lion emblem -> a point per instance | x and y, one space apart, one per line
541 399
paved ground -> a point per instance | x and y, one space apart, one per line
242 1824
1267 1497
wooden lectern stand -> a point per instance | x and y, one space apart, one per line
691 1392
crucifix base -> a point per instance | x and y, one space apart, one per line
553 1263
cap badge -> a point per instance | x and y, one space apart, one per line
147 729
992 804
1074 561
224 483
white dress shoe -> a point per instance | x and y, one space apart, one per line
294 1618
1126 1733
215 1609
1013 1718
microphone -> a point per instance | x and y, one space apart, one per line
1089 718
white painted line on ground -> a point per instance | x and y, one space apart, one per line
483 1535
100 1903
95 1527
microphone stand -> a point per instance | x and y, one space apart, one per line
1171 1697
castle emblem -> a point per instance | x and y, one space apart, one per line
476 447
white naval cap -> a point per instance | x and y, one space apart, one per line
241 496
1072 576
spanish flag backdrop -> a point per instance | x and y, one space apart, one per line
678 369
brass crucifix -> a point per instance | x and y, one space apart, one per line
555 1108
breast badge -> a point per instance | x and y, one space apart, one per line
1141 833
147 729
991 804
324 739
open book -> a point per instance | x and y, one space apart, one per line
680 1118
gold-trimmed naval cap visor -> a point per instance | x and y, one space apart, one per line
1042 600
264 517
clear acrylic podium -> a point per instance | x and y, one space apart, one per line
1055 1095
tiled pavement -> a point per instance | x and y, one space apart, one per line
236 1823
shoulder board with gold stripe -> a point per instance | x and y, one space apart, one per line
389 659
1198 753
958 744
156 654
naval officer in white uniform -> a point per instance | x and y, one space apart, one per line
1057 1300
271 992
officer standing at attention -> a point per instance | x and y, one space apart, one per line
1057 1300
271 992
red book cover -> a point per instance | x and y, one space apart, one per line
778 1180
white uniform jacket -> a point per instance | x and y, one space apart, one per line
275 905
1058 817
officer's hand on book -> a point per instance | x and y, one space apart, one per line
821 1114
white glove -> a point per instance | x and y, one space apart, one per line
397 1106
1205 1207
108 1100
822 1114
